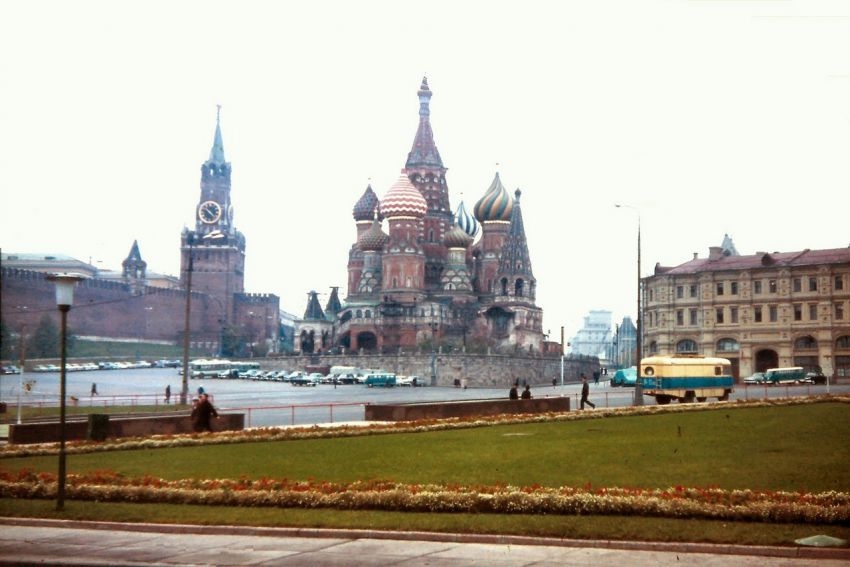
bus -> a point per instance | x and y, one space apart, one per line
208 368
686 378
790 375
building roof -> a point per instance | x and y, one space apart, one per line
718 261
496 204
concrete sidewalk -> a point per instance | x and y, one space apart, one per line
56 542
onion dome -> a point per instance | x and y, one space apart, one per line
457 238
466 221
365 208
373 239
403 200
496 204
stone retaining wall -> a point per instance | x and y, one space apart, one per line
464 408
118 427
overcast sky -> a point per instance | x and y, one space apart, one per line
709 117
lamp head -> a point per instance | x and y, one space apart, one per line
65 284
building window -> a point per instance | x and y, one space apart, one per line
813 284
680 317
733 314
719 288
757 314
842 342
686 345
798 284
757 286
680 291
728 345
807 342
718 315
734 290
813 311
839 283
839 311
798 312
693 290
693 316
771 286
773 313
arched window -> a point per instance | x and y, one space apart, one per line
518 287
843 341
728 345
806 342
359 314
368 313
504 286
686 346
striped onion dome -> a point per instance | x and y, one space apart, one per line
373 239
496 204
403 200
466 220
457 238
364 209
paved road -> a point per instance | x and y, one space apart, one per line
51 542
277 403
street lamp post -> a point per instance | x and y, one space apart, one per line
64 299
638 336
190 240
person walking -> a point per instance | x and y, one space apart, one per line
168 394
585 390
202 413
94 389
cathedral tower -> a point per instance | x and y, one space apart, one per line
425 170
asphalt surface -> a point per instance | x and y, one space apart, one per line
56 542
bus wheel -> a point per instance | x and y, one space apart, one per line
689 398
662 400
701 399
724 397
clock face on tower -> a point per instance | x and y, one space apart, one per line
209 212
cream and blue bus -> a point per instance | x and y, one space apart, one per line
789 375
686 378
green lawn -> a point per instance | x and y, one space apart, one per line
798 447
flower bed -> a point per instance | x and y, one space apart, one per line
677 502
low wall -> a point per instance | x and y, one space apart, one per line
118 427
464 408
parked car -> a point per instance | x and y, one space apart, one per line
815 376
625 377
757 378
11 369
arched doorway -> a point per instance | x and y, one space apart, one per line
766 359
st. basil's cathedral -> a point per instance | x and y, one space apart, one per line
426 280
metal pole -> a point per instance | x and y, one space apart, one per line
184 390
60 489
21 375
562 355
638 337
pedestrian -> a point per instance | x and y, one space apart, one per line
526 394
513 394
554 382
585 390
168 394
93 389
202 413
596 374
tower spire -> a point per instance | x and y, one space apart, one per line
217 151
424 152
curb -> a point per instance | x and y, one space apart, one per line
842 553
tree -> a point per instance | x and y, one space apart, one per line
6 347
44 342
